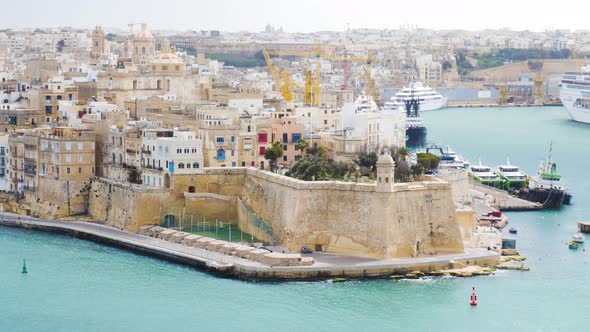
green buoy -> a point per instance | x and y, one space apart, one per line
24 270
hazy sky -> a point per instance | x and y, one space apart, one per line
299 15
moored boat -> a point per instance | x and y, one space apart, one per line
485 175
514 178
578 237
545 188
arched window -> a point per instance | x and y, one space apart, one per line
195 165
188 165
120 158
143 50
181 165
221 154
120 141
113 158
191 189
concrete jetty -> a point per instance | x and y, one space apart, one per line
502 200
325 267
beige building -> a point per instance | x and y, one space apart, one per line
52 167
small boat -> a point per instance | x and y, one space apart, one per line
513 230
578 237
573 245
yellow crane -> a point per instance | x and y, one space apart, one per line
538 82
282 79
313 87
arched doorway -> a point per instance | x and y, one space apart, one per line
169 220
167 180
191 189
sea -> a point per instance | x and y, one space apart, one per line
77 285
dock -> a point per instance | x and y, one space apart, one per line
584 226
501 200
326 266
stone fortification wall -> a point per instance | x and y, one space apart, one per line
338 217
352 218
124 205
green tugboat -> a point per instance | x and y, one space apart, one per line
485 175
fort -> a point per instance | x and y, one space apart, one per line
375 220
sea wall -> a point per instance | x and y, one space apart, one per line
337 217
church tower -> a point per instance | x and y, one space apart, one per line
385 173
97 43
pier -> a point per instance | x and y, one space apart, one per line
326 266
501 200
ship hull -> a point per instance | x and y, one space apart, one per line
550 198
416 136
577 113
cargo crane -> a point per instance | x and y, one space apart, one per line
538 81
282 79
313 88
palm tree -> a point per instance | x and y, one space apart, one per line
302 146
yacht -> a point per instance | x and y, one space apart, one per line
514 178
449 158
428 98
485 175
574 92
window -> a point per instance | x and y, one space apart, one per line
188 165
243 164
285 138
181 165
70 97
47 97
262 138
68 158
195 165
186 150
44 145
221 154
295 138
220 140
325 122
68 146
80 170
262 149
284 158
80 146
48 110
285 147
58 97
232 139
68 170
80 158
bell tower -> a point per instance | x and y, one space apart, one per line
97 43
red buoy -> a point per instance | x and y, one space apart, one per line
473 298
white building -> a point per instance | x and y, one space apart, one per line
166 152
4 169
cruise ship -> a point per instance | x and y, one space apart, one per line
574 92
428 98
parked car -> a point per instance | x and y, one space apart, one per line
306 250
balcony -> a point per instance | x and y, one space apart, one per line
146 151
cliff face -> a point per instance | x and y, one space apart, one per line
336 217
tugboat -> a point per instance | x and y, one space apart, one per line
545 188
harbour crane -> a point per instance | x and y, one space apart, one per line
313 88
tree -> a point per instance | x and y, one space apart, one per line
428 161
318 151
302 146
273 153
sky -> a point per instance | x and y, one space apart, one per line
298 15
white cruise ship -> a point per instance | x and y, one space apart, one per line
428 98
574 92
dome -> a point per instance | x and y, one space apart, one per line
385 159
167 58
144 35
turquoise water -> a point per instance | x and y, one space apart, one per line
75 285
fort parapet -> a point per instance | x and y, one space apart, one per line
377 220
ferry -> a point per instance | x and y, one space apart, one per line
449 158
514 178
545 188
485 175
428 98
574 92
